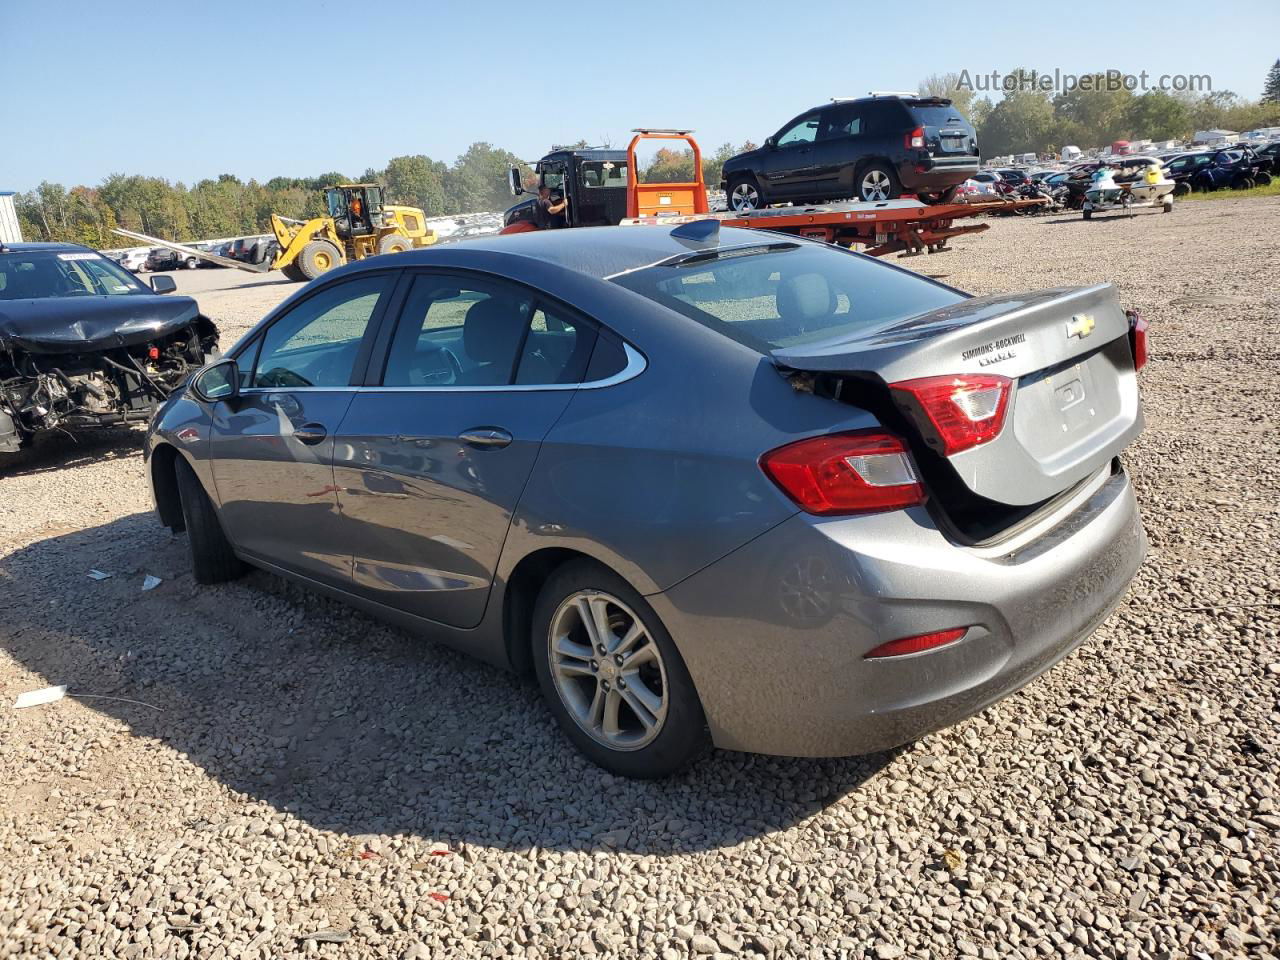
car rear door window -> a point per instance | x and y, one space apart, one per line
317 342
840 122
556 349
458 331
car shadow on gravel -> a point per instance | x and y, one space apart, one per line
354 726
58 451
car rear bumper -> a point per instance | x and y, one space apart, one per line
936 173
774 634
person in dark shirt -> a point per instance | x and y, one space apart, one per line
549 214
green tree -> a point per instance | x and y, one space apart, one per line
948 85
1091 112
417 181
1158 116
477 181
1271 87
1020 123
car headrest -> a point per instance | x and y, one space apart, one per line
805 296
491 327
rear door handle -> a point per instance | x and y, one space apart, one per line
484 437
311 433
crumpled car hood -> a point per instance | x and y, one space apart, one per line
85 324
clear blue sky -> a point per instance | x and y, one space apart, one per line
259 89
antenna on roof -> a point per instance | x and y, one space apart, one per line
698 230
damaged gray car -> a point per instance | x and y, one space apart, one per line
83 343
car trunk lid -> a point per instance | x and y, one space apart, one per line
1072 400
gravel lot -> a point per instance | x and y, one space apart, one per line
300 780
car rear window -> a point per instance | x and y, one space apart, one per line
767 297
936 115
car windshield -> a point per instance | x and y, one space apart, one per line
44 274
767 298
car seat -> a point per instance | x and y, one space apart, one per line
491 334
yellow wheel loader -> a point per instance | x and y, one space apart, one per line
357 225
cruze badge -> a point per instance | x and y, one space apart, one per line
1081 325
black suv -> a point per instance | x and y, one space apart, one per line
872 148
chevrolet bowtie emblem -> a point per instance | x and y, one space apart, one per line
1081 325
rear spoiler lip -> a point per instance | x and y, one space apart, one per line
841 354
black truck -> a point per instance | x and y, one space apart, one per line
594 180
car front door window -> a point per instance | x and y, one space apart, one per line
316 344
800 134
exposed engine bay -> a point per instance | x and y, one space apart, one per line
101 386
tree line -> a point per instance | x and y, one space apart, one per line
228 206
1027 120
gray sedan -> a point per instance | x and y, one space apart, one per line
712 486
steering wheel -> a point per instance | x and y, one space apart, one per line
448 376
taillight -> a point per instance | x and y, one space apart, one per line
966 410
917 644
842 473
1138 338
915 139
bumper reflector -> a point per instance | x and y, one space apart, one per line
917 644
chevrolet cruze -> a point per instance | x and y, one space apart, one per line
711 486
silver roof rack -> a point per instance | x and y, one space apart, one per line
894 93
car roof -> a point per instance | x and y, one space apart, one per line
599 252
31 247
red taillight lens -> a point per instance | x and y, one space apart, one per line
965 410
917 644
842 473
1138 338
915 139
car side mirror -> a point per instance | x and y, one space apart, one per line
162 284
771 143
513 181
219 381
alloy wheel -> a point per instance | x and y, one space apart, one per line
608 670
876 185
744 197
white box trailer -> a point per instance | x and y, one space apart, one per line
10 232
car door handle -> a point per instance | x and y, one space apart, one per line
484 437
310 433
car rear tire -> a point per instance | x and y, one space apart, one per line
1262 179
1241 182
744 195
394 243
191 263
612 676
318 257
1181 188
212 559
877 182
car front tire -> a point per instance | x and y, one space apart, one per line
612 676
877 182
744 195
212 559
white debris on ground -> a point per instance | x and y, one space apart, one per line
319 785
